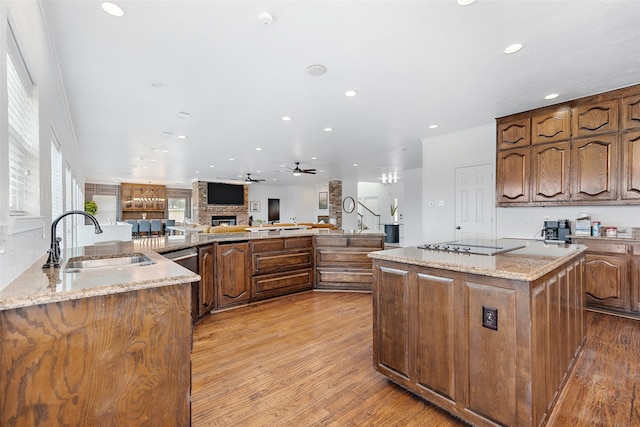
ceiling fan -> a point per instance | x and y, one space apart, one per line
297 171
249 180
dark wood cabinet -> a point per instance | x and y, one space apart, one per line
594 168
583 152
596 119
514 134
631 166
553 126
513 176
342 262
206 288
550 172
281 266
233 273
607 274
634 272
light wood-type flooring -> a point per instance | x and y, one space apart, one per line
306 360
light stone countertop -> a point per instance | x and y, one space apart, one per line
37 286
527 264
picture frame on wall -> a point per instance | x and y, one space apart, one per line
323 200
254 206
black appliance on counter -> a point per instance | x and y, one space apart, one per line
476 246
557 231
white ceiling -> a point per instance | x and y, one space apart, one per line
413 63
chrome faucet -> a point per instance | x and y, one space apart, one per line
54 250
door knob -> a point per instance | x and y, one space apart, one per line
458 228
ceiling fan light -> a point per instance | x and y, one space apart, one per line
296 173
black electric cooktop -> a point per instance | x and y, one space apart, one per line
475 246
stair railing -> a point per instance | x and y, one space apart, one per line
367 219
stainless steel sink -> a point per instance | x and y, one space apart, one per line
79 264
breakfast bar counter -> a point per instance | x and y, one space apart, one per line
491 339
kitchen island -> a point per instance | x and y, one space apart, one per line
491 339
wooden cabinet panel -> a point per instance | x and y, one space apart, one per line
346 257
594 167
595 119
631 112
267 245
514 134
278 261
550 172
142 197
551 127
233 267
631 165
276 284
343 279
492 353
435 313
513 175
206 288
635 284
391 322
606 281
299 242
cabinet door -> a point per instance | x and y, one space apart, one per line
512 176
391 322
631 170
595 119
206 294
606 281
594 165
551 127
514 134
233 266
550 172
631 112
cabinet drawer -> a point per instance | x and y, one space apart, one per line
344 279
604 247
270 285
270 262
331 241
634 249
371 243
299 242
343 258
267 245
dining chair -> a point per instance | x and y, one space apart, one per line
144 227
135 231
156 227
169 223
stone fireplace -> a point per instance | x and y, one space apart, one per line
205 214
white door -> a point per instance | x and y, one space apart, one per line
475 207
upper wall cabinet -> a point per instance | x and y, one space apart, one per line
551 127
514 134
631 112
582 152
595 119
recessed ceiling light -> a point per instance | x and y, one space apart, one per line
231 158
197 171
182 136
513 48
265 18
112 9
258 149
286 118
316 70
465 2
328 129
351 93
433 126
212 166
551 96
355 164
314 158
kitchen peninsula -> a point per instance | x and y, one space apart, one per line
491 339
109 343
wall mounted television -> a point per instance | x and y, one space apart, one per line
219 193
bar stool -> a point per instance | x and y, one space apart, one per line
169 223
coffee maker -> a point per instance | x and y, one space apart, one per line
557 231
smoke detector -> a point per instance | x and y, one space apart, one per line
316 70
265 18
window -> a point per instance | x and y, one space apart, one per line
177 209
56 179
22 108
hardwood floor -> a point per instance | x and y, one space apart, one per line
306 360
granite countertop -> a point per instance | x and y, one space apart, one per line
527 264
37 286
